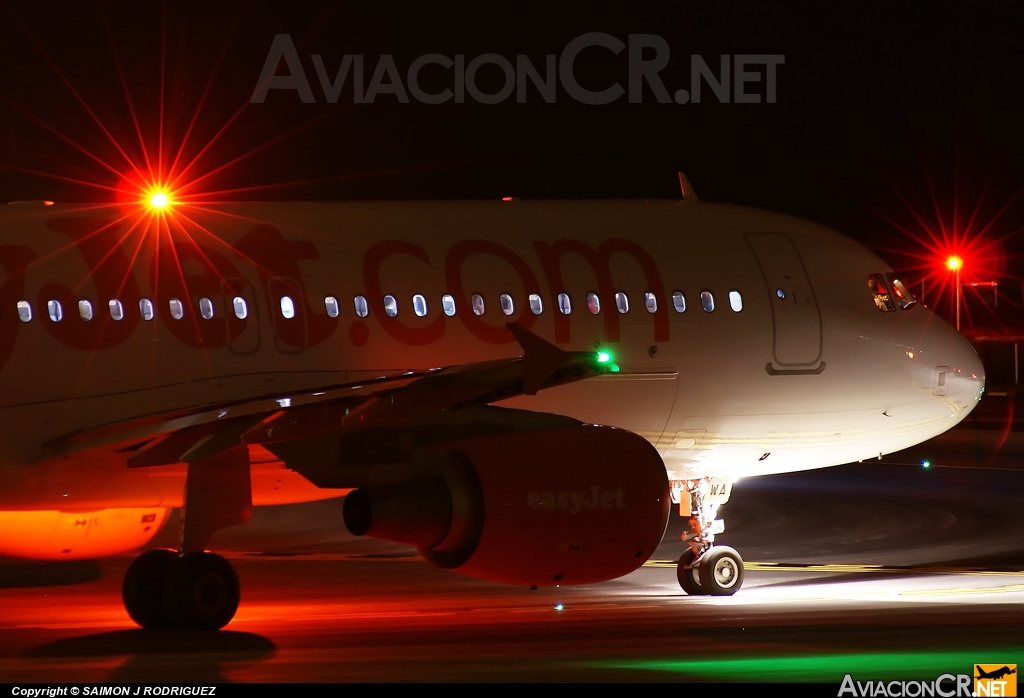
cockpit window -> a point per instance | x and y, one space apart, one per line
904 298
880 293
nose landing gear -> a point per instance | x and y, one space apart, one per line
190 588
706 569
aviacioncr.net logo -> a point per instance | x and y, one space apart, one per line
995 680
945 686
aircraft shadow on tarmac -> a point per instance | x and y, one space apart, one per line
205 654
1006 562
824 580
16 574
1010 561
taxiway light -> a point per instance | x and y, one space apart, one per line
926 464
953 263
559 606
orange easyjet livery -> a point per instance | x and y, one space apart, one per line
521 390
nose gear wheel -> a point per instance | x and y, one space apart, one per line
721 571
689 575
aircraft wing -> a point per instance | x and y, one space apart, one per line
290 426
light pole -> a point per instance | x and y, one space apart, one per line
954 263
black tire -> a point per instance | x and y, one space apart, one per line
143 588
202 592
688 575
721 571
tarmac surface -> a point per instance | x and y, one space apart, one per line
883 569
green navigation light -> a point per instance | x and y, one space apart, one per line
604 357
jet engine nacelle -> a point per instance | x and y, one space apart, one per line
560 506
62 535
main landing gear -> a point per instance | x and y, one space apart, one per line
705 568
194 591
190 588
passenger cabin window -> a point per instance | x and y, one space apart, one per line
24 311
904 298
707 301
362 307
477 301
507 305
177 309
448 305
678 301
55 311
145 307
622 302
735 301
206 308
85 310
536 304
650 302
564 303
332 307
419 305
287 307
116 310
240 307
880 293
593 303
390 306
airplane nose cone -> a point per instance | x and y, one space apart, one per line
959 376
969 378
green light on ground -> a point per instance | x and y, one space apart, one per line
615 368
823 667
604 357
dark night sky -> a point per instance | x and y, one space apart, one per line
882 110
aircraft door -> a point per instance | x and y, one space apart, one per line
243 332
796 318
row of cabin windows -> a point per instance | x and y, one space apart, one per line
876 284
55 309
536 304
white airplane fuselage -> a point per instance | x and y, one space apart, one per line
797 369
